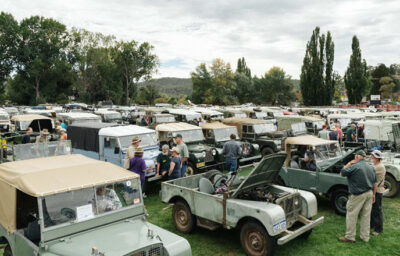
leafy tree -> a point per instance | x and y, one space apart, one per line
242 68
356 76
135 62
316 79
147 95
244 82
340 89
386 87
202 84
376 74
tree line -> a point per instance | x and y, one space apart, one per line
43 61
219 84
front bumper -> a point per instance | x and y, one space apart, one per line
308 225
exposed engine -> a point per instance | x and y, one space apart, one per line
262 194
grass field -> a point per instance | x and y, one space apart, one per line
323 240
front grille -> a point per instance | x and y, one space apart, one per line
246 149
209 157
291 209
155 250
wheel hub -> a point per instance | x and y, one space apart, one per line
255 241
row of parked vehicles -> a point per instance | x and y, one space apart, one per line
102 212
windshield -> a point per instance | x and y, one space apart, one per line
148 139
88 203
191 135
224 134
264 128
260 115
191 117
217 117
165 119
327 151
4 118
112 116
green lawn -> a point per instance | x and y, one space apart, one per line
323 240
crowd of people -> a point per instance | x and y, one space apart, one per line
353 133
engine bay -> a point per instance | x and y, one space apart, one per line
264 194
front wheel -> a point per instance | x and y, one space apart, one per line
267 151
391 184
190 170
7 251
339 199
182 216
255 240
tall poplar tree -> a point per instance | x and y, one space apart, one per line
316 79
356 76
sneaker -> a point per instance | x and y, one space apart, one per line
345 240
144 195
375 233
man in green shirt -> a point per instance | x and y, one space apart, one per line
163 161
183 153
361 178
351 133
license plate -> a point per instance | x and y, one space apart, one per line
280 226
198 165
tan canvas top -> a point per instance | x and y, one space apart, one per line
28 117
308 140
173 127
51 175
300 118
215 125
234 120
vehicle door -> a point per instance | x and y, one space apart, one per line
248 132
301 178
112 151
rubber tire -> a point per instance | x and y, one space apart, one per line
7 251
268 241
181 206
266 151
339 192
190 170
394 184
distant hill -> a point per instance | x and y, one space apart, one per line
172 85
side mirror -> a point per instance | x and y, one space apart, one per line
116 150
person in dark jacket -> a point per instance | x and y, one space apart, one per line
27 137
175 165
232 152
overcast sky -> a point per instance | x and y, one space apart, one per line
267 33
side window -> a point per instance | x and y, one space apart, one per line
110 143
245 128
250 129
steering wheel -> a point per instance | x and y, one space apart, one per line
68 212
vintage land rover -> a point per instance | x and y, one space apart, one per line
74 205
266 214
260 132
325 179
4 121
201 156
70 118
217 134
109 142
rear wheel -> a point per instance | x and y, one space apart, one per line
391 184
182 216
255 240
339 199
7 251
190 170
267 151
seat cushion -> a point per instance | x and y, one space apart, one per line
206 186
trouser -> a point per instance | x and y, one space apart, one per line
183 170
376 214
231 164
359 205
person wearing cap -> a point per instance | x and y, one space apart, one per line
361 179
175 165
183 153
163 161
130 153
376 212
63 133
138 165
43 137
232 151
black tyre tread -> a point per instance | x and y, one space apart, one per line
7 251
395 186
335 193
192 224
267 151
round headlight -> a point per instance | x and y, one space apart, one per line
214 152
296 202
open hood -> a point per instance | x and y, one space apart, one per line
264 173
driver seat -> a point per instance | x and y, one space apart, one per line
205 186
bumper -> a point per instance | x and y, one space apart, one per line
309 224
